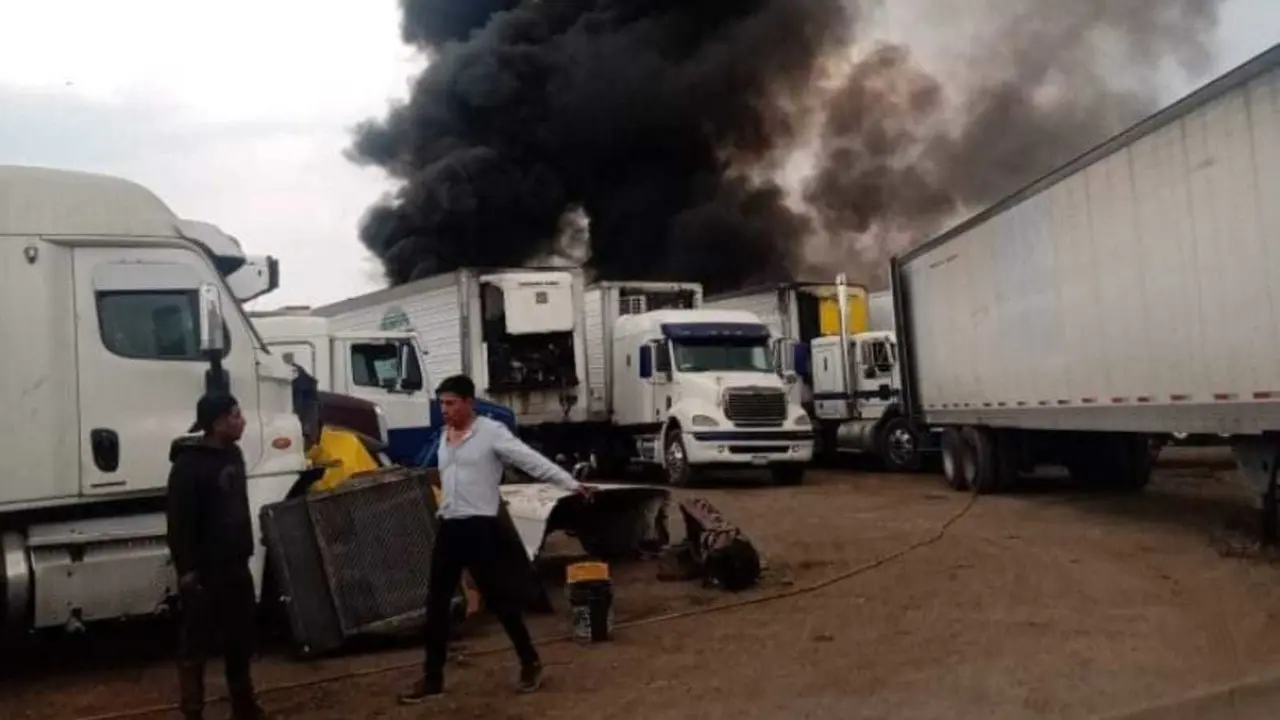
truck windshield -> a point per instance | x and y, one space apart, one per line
378 365
718 355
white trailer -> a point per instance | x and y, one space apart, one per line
518 333
112 311
1129 293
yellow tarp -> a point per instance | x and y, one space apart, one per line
342 453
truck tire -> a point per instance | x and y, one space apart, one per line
953 460
981 471
789 474
678 470
898 446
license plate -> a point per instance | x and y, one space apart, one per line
759 459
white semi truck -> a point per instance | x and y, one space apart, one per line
685 389
381 366
1129 294
518 333
845 372
115 315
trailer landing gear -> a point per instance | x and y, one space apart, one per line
1259 460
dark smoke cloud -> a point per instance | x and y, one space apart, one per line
651 116
901 157
660 121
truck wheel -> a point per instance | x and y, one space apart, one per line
953 459
980 451
898 446
679 472
790 474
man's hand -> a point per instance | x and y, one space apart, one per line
189 582
586 492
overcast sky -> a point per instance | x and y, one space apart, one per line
237 113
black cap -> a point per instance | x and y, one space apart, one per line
210 408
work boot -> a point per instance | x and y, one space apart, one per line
422 691
530 677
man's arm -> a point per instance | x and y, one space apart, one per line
181 518
513 451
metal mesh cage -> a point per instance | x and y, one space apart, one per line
375 536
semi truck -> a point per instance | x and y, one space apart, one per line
686 389
845 372
385 367
518 333
382 367
1130 293
115 315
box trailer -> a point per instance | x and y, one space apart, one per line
518 333
1130 293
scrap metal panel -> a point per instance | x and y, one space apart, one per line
375 537
356 559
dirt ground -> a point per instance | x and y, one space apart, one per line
1045 603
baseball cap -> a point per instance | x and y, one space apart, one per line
211 407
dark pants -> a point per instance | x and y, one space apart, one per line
478 545
218 615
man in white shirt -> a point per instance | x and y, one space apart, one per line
473 453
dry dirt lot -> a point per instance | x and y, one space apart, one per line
1047 603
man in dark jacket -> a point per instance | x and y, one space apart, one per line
211 541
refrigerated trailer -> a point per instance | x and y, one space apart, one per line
518 333
1131 293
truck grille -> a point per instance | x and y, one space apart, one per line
755 406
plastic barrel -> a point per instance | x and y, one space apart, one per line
590 601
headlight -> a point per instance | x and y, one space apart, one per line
803 421
703 421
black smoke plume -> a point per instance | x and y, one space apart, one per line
901 157
651 116
662 121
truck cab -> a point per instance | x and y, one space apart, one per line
383 367
115 316
699 390
857 394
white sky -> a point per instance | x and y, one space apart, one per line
237 112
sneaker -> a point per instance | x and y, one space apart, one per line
422 691
530 678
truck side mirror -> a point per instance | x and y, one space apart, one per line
784 358
211 323
404 379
